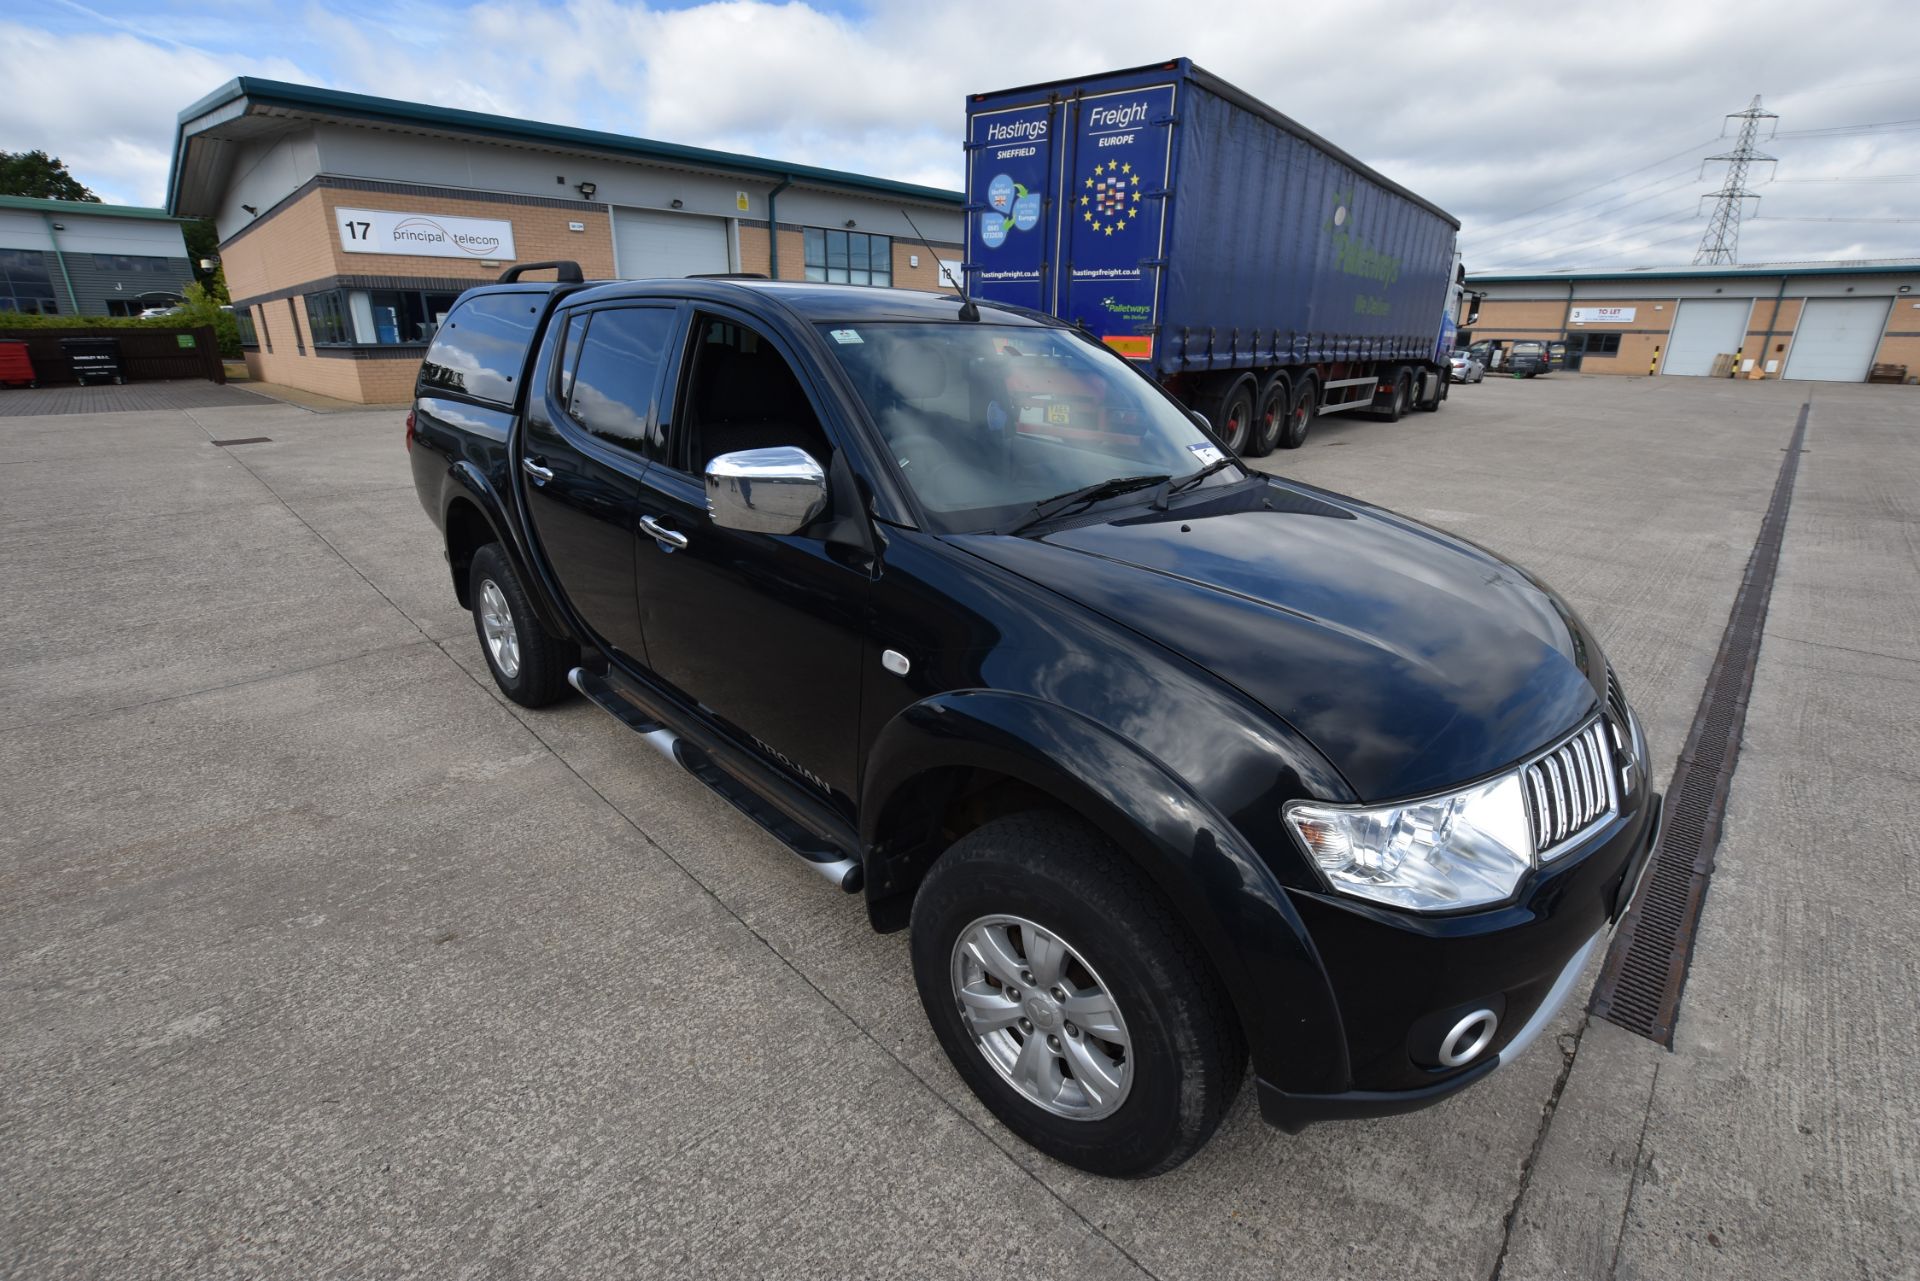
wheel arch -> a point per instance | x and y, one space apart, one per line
950 763
473 515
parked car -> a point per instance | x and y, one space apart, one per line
1164 761
1463 368
1526 359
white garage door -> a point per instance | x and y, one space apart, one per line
647 244
1836 339
1705 328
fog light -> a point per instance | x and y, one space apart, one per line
1472 1034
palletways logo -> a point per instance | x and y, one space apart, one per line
426 231
1352 256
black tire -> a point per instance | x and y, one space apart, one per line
1232 411
1301 412
1270 415
1402 392
1184 1049
541 661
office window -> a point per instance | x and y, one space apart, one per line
132 262
243 321
266 333
401 316
26 282
327 320
1594 344
848 257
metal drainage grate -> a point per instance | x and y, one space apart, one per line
243 440
1646 968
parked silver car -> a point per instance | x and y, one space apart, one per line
1465 369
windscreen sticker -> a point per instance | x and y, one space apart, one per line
846 335
1206 453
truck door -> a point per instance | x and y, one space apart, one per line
584 447
1012 221
1117 172
762 630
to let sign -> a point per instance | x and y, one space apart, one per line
1602 315
382 231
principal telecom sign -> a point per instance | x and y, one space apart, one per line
382 231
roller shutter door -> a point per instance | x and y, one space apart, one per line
1705 328
648 244
1836 339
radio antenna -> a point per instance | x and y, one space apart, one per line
967 310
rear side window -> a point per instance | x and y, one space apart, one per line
482 348
611 392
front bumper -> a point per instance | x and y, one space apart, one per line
1589 898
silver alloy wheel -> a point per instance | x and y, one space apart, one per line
1042 1018
496 621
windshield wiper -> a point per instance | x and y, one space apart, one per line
1185 483
1047 508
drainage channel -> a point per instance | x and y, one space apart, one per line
1646 968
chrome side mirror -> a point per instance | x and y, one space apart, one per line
766 491
1200 418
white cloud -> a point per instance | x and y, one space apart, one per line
1488 113
105 103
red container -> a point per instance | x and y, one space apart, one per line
16 369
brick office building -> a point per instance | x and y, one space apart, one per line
1816 321
348 223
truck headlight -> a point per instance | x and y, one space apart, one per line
1437 854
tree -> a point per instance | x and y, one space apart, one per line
203 245
37 174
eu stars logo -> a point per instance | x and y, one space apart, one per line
1111 197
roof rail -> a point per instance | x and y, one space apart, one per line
566 273
728 275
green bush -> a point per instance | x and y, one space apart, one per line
200 308
22 320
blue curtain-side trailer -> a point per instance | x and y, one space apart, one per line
1259 272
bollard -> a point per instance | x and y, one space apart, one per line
1654 364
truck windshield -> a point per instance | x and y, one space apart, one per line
986 421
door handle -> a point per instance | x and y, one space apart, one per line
670 540
531 466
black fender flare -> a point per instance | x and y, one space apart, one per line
1218 885
467 483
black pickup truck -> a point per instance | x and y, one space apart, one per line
1164 761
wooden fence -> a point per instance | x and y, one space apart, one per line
146 355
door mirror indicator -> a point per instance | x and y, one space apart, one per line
766 491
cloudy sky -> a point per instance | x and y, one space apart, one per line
1559 137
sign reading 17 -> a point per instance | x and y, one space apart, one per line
358 230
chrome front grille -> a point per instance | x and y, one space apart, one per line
1572 788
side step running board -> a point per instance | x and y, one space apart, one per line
821 855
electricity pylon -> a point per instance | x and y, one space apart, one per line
1722 241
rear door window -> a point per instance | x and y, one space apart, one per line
614 384
482 348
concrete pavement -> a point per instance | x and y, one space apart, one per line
316 956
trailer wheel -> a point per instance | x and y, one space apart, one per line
1302 409
1270 418
1402 392
1232 415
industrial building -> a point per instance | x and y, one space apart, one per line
348 224
1817 321
78 258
